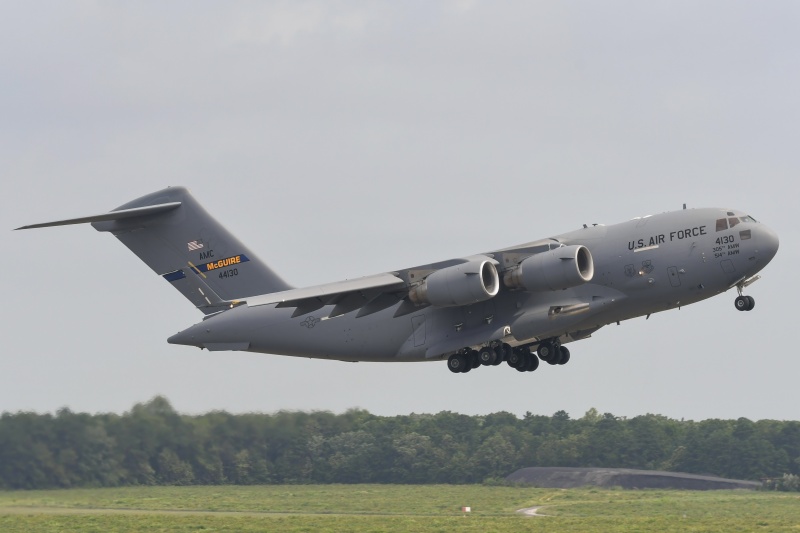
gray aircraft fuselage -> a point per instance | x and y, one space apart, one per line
642 266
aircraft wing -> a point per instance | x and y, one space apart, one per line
368 294
455 282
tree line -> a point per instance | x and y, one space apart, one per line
152 444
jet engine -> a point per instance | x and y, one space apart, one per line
560 268
462 284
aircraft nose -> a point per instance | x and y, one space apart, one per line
767 243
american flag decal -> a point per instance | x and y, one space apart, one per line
194 245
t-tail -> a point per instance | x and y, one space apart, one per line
177 238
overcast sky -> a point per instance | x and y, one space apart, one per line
340 139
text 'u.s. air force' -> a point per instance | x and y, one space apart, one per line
661 238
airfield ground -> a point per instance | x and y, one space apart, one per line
394 508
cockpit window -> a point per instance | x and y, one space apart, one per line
733 221
748 218
722 224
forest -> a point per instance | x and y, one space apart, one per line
152 444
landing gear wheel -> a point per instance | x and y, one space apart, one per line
500 354
528 362
486 356
745 303
473 359
515 358
546 351
555 357
458 363
742 303
564 359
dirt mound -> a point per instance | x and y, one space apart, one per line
568 478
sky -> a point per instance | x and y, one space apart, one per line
342 139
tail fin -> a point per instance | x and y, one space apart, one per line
171 232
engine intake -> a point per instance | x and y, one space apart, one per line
463 284
560 268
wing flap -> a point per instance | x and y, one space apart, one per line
382 301
370 293
303 307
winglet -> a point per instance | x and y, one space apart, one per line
112 215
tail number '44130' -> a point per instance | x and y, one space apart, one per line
229 273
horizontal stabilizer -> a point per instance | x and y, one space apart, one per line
112 215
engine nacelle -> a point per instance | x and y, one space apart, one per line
560 268
463 284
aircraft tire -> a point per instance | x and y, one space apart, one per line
742 303
545 351
516 358
474 360
564 359
499 355
486 356
457 363
751 303
504 350
533 363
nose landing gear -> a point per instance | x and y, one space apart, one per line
744 303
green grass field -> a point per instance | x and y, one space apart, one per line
393 508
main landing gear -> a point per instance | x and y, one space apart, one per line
552 353
520 358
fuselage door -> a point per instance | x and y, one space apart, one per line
418 325
674 277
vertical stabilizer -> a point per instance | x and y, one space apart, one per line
190 249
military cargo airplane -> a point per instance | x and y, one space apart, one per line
517 305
